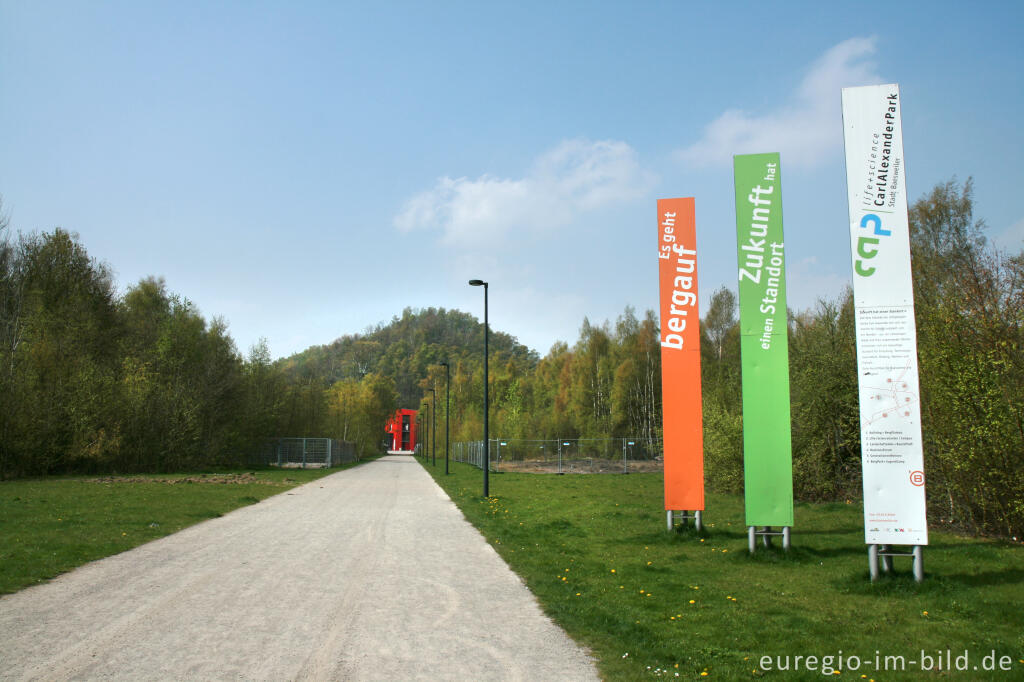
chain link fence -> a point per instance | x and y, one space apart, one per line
306 453
565 455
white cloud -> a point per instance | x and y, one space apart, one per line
1012 238
807 128
575 177
539 318
808 281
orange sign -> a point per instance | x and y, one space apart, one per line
680 356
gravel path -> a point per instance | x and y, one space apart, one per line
369 574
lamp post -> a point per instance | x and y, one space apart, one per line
487 458
423 423
433 426
447 394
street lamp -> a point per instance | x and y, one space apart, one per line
447 393
423 423
433 426
487 457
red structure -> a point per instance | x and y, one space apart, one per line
401 431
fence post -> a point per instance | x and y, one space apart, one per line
329 442
303 453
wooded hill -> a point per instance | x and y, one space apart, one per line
405 349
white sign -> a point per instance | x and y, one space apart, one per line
890 409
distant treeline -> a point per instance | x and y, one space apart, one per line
91 381
141 382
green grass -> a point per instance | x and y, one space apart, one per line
651 603
51 525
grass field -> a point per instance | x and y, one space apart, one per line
50 526
656 604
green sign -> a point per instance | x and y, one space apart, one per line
767 451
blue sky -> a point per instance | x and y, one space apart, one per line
306 169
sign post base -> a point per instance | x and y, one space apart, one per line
766 534
885 552
685 515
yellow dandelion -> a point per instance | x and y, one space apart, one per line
692 601
613 570
648 563
724 551
924 613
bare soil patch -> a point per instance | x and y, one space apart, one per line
582 466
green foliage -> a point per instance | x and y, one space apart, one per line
969 301
407 349
95 382
358 410
824 402
723 447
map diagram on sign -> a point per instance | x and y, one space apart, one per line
892 400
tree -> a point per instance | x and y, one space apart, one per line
592 376
65 355
720 320
969 300
824 401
